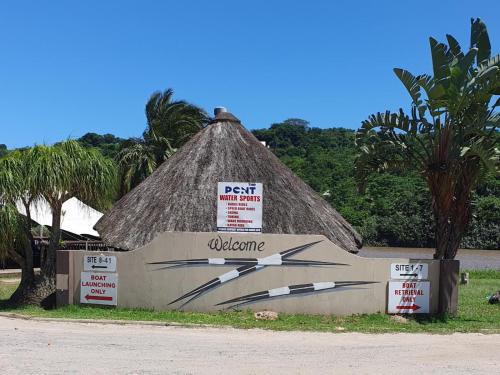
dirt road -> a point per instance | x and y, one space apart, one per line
30 347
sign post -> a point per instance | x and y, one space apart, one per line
239 207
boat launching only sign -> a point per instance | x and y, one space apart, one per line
98 288
239 207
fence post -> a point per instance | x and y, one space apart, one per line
63 283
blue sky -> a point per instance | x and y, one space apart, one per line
68 68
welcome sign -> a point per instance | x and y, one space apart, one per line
239 207
208 272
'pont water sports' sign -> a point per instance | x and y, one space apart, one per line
408 297
239 207
98 288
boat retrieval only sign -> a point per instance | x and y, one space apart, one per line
409 297
98 288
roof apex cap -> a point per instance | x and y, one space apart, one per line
222 115
218 110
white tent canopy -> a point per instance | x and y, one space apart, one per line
77 217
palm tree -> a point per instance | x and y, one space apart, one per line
16 240
69 170
15 244
169 125
137 160
451 134
56 174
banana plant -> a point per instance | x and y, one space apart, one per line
450 133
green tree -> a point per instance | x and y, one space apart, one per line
395 208
56 174
16 241
14 244
484 231
108 144
138 159
297 122
3 150
169 125
450 135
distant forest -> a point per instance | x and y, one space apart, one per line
393 210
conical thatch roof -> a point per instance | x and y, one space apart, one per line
181 195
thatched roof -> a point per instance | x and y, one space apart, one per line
181 195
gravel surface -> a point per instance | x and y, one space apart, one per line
28 347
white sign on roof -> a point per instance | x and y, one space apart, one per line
239 207
76 216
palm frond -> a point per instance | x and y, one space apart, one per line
454 46
413 87
479 38
441 59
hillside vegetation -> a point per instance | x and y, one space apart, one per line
393 210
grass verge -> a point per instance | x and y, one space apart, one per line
474 315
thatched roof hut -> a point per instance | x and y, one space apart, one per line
181 195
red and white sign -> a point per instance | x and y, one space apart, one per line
98 288
408 297
239 207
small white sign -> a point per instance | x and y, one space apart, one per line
99 263
408 297
239 207
406 271
98 288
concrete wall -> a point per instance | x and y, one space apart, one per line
149 286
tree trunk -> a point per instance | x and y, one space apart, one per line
49 266
41 289
28 269
32 290
451 205
38 290
448 236
21 294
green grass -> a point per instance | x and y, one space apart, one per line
474 315
484 274
6 290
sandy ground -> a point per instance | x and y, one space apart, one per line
30 347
